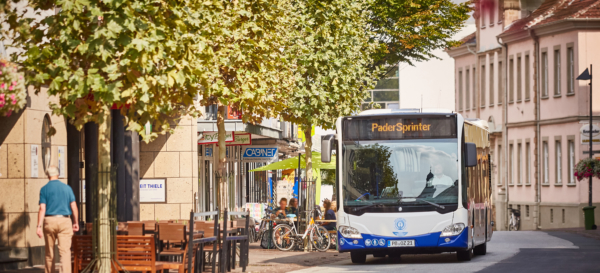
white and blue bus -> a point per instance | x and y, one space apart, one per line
411 182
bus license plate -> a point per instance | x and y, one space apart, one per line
401 243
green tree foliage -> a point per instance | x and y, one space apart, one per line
139 56
333 52
409 30
247 60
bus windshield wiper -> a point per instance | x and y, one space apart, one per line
422 200
367 206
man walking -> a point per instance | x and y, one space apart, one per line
57 204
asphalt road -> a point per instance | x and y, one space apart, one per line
522 251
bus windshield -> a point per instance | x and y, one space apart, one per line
391 172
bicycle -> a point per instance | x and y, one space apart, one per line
285 236
515 219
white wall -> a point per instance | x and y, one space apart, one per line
433 79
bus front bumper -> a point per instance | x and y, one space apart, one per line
425 243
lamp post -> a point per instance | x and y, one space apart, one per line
589 210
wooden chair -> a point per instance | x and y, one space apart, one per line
82 252
136 228
89 228
206 244
150 226
136 253
229 243
167 235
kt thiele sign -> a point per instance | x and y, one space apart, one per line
152 191
260 154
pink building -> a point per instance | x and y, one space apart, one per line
518 71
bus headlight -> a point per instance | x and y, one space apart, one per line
453 229
349 232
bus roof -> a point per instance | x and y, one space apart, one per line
376 112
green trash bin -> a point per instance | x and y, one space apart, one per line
588 214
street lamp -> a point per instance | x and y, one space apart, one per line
589 210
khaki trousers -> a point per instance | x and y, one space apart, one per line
58 228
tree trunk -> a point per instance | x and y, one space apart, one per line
308 151
221 179
104 192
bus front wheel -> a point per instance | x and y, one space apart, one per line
358 257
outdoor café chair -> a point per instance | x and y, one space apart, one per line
200 243
229 243
169 234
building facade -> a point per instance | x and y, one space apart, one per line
518 71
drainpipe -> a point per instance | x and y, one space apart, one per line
505 128
537 139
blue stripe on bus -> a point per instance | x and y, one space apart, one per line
370 241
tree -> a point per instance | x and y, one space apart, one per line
409 31
137 56
249 68
345 44
334 51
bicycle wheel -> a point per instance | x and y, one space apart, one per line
319 236
283 237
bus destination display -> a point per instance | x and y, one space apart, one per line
387 128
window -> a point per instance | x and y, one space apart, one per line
519 82
511 81
570 71
558 162
571 161
546 171
510 165
46 142
557 72
460 90
500 84
527 78
491 84
544 74
491 11
527 164
500 165
467 90
519 164
210 112
474 88
482 86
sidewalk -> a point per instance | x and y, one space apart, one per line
273 260
264 260
594 234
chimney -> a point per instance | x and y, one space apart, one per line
512 11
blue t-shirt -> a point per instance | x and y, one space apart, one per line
330 215
58 197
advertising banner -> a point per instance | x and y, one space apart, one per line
260 154
213 137
153 191
240 140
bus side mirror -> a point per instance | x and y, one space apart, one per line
470 154
326 147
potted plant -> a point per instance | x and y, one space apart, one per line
13 95
586 168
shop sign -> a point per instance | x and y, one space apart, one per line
34 160
213 137
62 162
585 134
241 139
153 191
208 151
260 154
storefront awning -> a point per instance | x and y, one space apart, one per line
292 163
